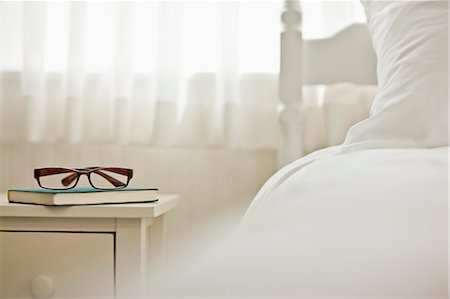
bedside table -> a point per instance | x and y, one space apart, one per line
80 251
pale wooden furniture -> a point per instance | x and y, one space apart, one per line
80 251
347 56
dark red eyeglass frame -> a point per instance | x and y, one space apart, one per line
76 173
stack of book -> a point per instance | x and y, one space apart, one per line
82 196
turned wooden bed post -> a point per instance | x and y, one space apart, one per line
290 84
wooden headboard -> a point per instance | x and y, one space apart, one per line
347 56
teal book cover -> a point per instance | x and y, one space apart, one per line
81 190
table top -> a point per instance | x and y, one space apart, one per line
165 203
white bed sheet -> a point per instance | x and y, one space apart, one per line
360 224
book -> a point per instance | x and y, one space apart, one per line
82 196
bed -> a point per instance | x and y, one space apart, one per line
347 57
368 218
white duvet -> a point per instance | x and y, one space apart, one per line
367 223
371 223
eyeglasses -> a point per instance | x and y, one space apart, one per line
105 178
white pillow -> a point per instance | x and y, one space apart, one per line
411 106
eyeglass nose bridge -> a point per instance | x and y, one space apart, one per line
83 171
80 173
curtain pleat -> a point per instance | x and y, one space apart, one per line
33 75
75 81
123 83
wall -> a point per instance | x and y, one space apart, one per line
215 185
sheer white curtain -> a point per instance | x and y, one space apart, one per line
324 18
160 73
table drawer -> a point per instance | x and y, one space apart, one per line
56 265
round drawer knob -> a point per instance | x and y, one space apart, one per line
41 287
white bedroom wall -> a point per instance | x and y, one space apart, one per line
215 185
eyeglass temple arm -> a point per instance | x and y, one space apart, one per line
122 171
112 180
70 178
